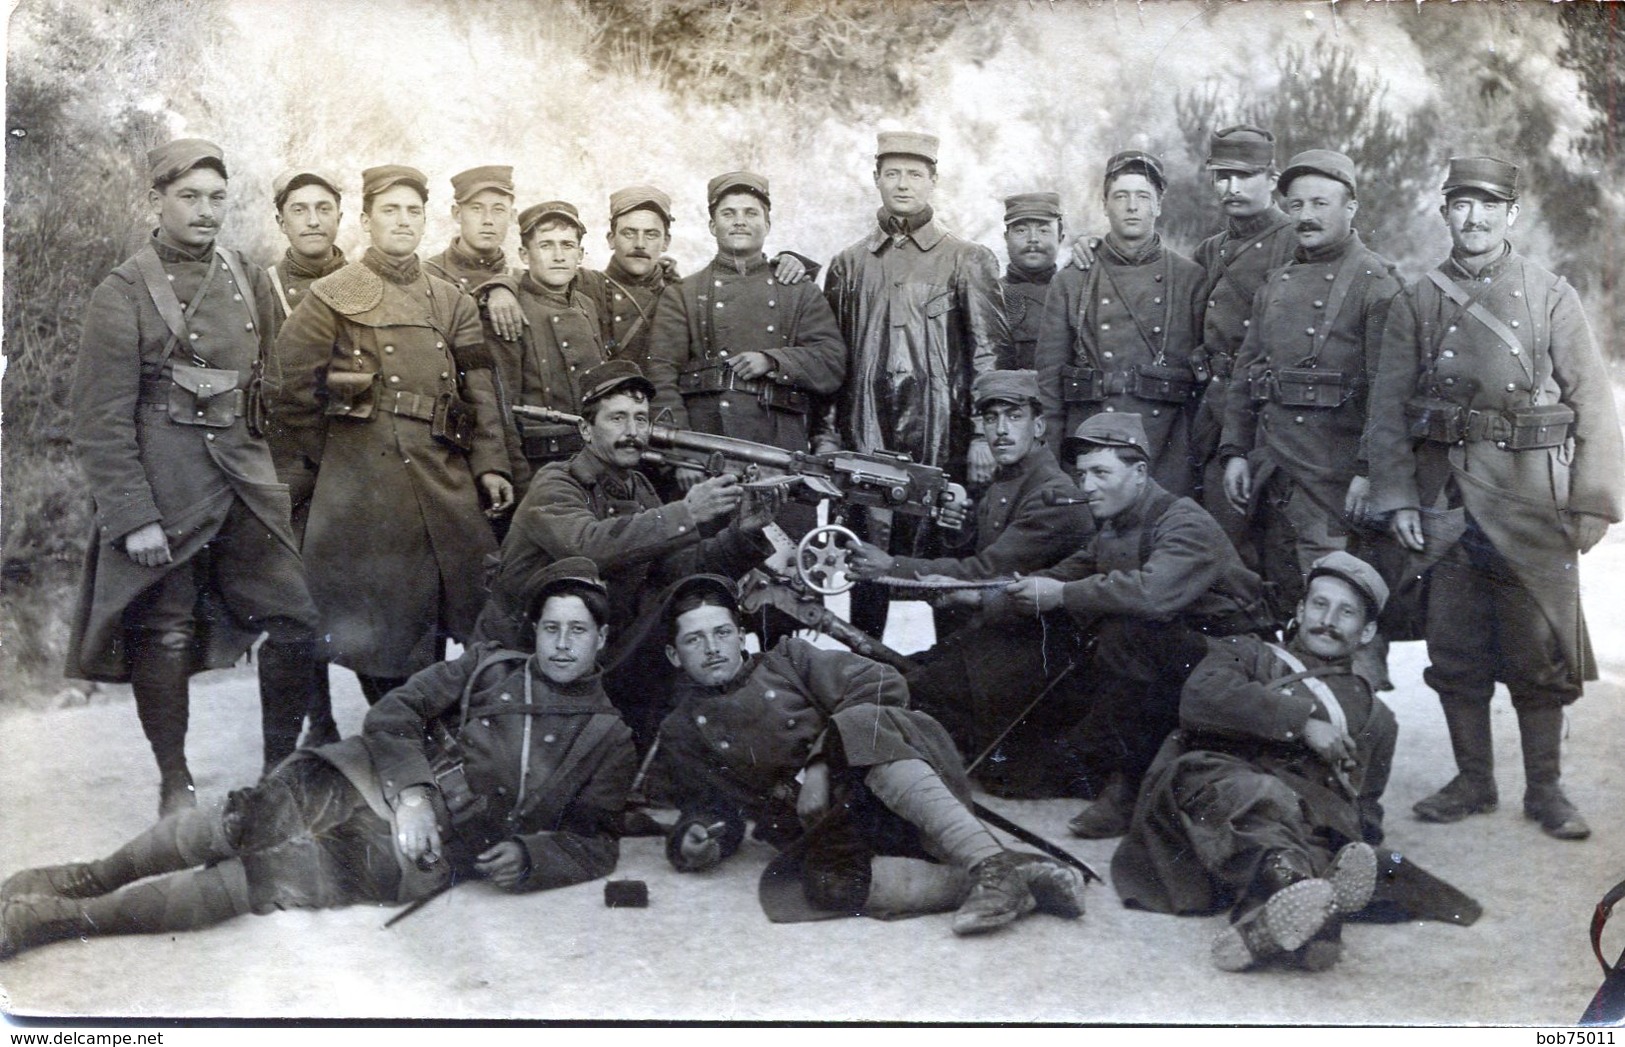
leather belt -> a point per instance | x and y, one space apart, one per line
720 378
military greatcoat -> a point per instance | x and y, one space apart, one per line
1237 782
1024 308
1526 345
626 308
396 542
1134 322
560 342
291 278
725 310
152 452
458 265
1305 319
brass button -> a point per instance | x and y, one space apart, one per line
394 379
1107 355
1308 330
549 738
1511 387
1514 323
1299 419
208 436
387 349
1319 303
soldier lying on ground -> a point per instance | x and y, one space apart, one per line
522 782
884 797
1268 799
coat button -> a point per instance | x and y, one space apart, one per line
1246 323
506 697
249 326
1285 277
1514 323
719 305
770 694
718 283
1515 352
208 436
358 352
1211 304
200 414
1105 301
1157 300
1156 330
770 327
1156 412
1299 419
1452 327
617 318
1319 303
1330 277
791 722
723 403
1449 381
1110 408
394 379
549 738
236 297
440 345
700 720
485 722
1308 330
771 303
1511 387
722 745
1517 294
445 374
387 349
1105 327
1107 355
564 345
193 336
1502 444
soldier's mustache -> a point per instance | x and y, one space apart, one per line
1331 632
1310 226
630 443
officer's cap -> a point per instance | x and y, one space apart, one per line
906 143
470 183
173 159
1496 177
1136 160
1010 387
1046 206
572 572
298 178
375 180
634 197
1325 162
1240 148
612 376
1355 571
736 181
722 587
1107 429
535 214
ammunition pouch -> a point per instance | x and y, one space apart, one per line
452 422
205 396
1171 385
1082 385
1220 365
1303 387
1432 418
351 394
548 441
1528 428
711 380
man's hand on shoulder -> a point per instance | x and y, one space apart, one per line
507 319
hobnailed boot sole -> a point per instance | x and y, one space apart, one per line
1353 876
1283 924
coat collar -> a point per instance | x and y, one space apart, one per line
1252 225
925 237
1012 275
467 260
1455 270
1134 515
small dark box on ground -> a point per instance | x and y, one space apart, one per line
626 894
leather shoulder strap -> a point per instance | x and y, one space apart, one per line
234 265
1342 283
281 295
1474 307
164 298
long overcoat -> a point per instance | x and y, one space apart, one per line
396 542
1432 348
143 467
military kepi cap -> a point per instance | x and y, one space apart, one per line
906 143
1135 159
1496 177
1355 571
1107 429
572 572
375 180
533 216
468 184
635 196
719 585
612 376
1046 206
298 178
173 159
1011 387
1324 162
1240 148
741 181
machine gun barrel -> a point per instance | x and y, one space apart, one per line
879 479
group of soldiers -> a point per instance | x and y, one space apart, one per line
1205 492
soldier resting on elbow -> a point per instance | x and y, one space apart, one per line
499 765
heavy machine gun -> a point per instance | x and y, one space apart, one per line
877 480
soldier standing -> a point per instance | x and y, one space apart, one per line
922 314
736 352
559 342
1257 238
194 555
1494 441
1032 237
1122 335
308 211
1296 407
384 367
482 207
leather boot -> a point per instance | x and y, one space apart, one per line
1281 925
999 895
286 669
321 728
180 901
1472 790
1543 799
161 667
1107 816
